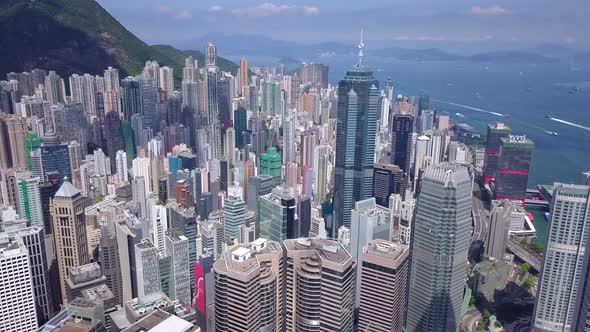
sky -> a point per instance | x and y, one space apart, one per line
489 23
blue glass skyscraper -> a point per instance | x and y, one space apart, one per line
358 107
55 157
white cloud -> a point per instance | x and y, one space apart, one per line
215 8
489 11
183 15
269 9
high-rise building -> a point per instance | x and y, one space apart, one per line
34 240
210 54
83 277
319 286
383 286
439 263
249 293
271 164
563 260
271 98
243 75
234 215
240 126
69 226
369 221
55 156
29 200
401 141
83 91
388 179
177 247
149 97
277 218
256 187
55 88
499 227
147 268
17 308
496 131
314 74
166 82
130 98
16 129
358 108
512 172
114 137
581 318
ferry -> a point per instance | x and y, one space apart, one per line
548 116
551 133
460 115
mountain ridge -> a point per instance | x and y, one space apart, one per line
77 36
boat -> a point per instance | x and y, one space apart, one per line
530 215
548 116
529 89
506 115
460 115
551 133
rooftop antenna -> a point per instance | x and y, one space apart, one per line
361 47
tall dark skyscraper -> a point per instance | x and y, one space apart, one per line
358 107
512 171
495 132
114 136
441 239
387 179
130 98
401 140
224 102
240 125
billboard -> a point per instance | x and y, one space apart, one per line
199 289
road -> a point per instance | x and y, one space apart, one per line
523 254
470 319
480 220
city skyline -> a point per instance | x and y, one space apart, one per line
161 189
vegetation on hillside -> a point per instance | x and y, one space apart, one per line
77 36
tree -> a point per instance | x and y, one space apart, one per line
486 315
524 269
529 283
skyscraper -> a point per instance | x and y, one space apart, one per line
17 308
69 226
441 239
55 156
401 141
319 286
384 278
243 75
147 269
495 132
210 55
180 286
277 218
34 240
29 199
249 285
512 172
16 129
388 179
166 80
563 260
130 98
499 227
114 136
234 215
358 107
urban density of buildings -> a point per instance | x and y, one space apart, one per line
272 200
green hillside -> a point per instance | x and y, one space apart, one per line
76 36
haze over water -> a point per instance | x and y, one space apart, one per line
527 92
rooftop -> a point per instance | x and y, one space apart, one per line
160 321
67 190
327 250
